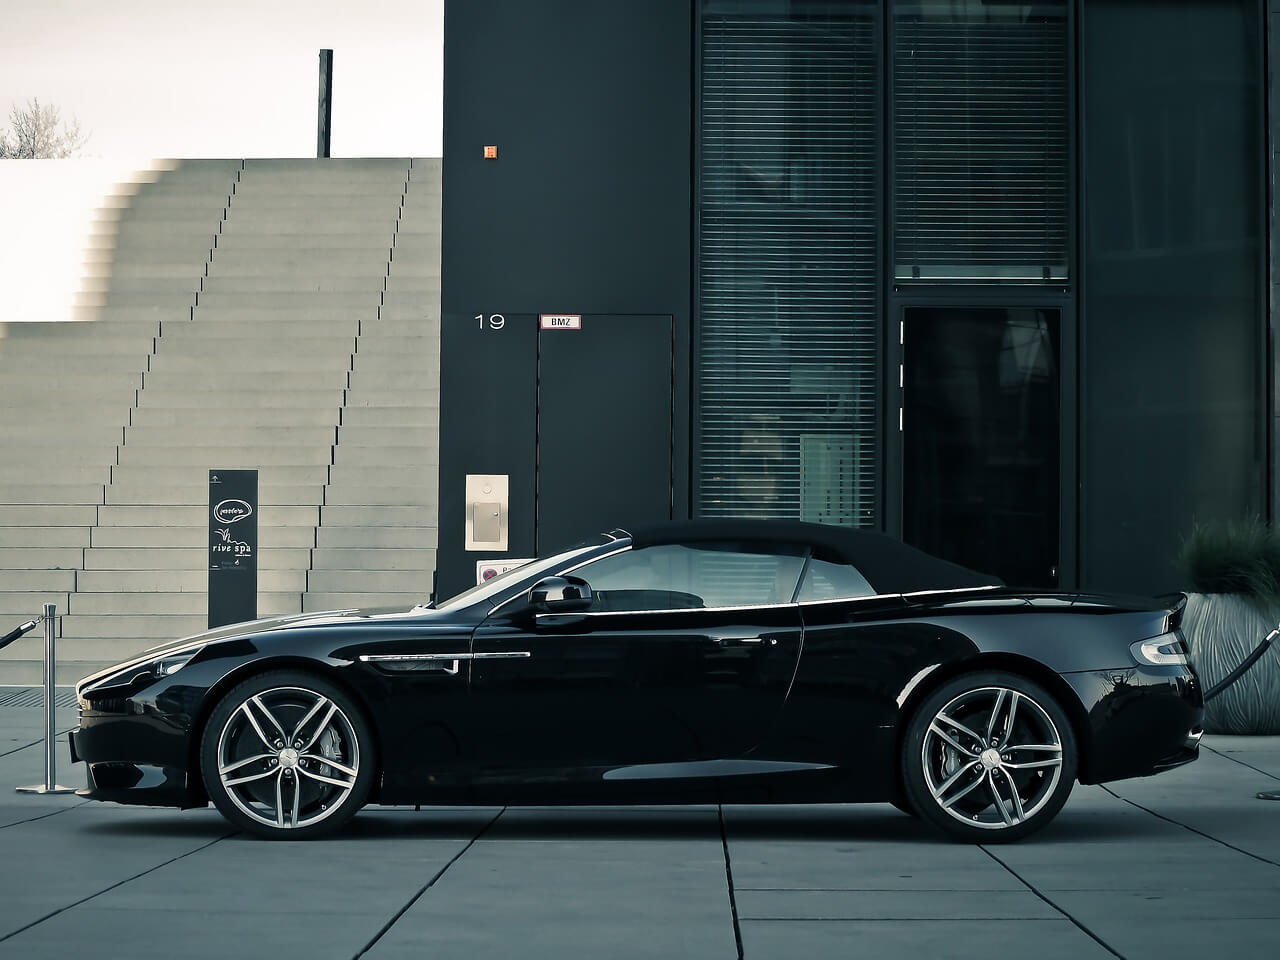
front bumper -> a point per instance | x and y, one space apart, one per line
135 758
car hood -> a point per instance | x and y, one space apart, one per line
251 628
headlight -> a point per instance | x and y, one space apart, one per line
126 674
1166 650
166 666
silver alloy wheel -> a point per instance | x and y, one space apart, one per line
992 758
288 780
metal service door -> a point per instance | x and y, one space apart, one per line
604 425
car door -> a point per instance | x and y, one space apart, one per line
669 666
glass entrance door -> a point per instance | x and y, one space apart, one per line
981 438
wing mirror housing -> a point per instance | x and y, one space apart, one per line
560 595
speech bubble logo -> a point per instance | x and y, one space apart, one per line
230 511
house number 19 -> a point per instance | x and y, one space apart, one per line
495 321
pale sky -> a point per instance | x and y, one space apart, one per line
229 78
175 78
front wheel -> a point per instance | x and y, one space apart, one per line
287 755
989 757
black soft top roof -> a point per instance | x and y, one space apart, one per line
889 565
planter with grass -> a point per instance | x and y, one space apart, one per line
1234 571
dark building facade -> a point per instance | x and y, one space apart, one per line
990 276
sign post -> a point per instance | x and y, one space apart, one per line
233 546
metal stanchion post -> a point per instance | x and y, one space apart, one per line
50 784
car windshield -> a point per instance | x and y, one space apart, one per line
491 589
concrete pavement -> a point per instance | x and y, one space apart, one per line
1182 865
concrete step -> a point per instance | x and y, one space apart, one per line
187 284
230 457
28 604
189 535
410 582
406 295
63 429
51 352
374 516
124 477
246 310
61 332
232 434
223 327
51 493
180 581
332 302
12 537
422 362
363 494
197 492
47 516
374 229
56 473
378 416
27 671
81 364
232 260
264 342
200 418
185 558
360 473
234 399
320 601
425 313
194 516
218 385
41 558
172 604
146 625
158 300
364 435
414 326
404 391
374 343
420 457
318 359
37 581
377 558
368 537
367 280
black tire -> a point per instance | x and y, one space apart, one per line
952 773
288 755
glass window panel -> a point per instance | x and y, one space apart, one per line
980 150
787 346
674 576
824 580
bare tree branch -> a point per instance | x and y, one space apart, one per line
38 132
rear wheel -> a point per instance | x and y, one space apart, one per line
287 755
989 757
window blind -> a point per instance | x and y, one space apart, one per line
979 121
787 346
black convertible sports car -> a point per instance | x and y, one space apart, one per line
704 661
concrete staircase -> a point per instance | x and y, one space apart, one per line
276 315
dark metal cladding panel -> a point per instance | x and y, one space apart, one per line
488 423
604 427
585 210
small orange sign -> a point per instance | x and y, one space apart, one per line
491 151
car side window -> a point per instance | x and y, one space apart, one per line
825 580
689 576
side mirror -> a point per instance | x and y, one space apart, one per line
560 595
